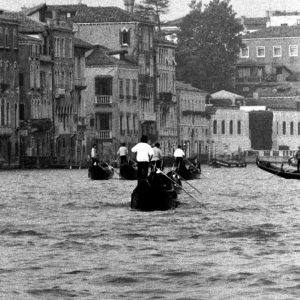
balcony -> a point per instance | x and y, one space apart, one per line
168 132
5 131
103 99
80 82
104 134
46 58
148 117
60 92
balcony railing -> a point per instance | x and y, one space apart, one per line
104 134
148 117
5 131
168 132
103 99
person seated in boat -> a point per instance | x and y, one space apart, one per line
94 158
156 160
297 156
144 153
122 152
178 155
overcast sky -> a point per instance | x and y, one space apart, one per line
178 8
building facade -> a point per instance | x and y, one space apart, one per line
111 101
192 119
166 108
9 91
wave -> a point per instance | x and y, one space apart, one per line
19 232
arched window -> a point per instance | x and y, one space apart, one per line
284 128
215 131
231 127
223 127
292 128
2 112
1 38
15 44
6 38
298 128
125 37
239 127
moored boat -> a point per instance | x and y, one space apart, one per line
276 170
157 192
101 171
128 171
228 163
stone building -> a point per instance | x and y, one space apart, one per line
229 131
192 119
111 101
269 58
9 90
118 29
166 108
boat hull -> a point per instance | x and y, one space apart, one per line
278 171
97 172
228 164
154 194
128 171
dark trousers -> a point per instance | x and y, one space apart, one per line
123 159
143 167
178 162
156 164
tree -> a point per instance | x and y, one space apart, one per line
208 45
155 8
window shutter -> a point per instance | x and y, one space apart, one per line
120 35
128 37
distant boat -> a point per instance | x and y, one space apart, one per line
157 192
230 163
101 171
128 171
188 173
276 170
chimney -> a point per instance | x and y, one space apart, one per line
129 5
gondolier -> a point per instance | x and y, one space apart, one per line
144 154
122 152
178 155
297 156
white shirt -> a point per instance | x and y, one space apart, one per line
157 154
178 153
93 152
122 151
144 151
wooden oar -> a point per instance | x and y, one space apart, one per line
160 172
187 183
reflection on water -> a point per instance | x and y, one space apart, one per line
63 236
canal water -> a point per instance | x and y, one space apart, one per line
64 236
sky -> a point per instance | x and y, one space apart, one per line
178 8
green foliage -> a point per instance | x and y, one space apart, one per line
208 45
153 7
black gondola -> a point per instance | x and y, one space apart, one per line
276 170
157 192
100 171
228 163
128 171
176 180
192 172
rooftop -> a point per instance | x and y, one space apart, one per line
274 31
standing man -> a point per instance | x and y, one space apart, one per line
144 154
297 156
178 155
123 151
94 154
156 160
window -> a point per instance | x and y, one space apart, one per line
134 85
239 127
121 89
71 48
121 124
298 128
231 127
1 37
293 50
21 111
276 51
283 128
125 37
260 51
15 42
103 86
223 127
127 124
128 88
292 128
215 127
6 42
244 52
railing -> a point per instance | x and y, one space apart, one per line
103 134
168 132
148 117
5 131
103 99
